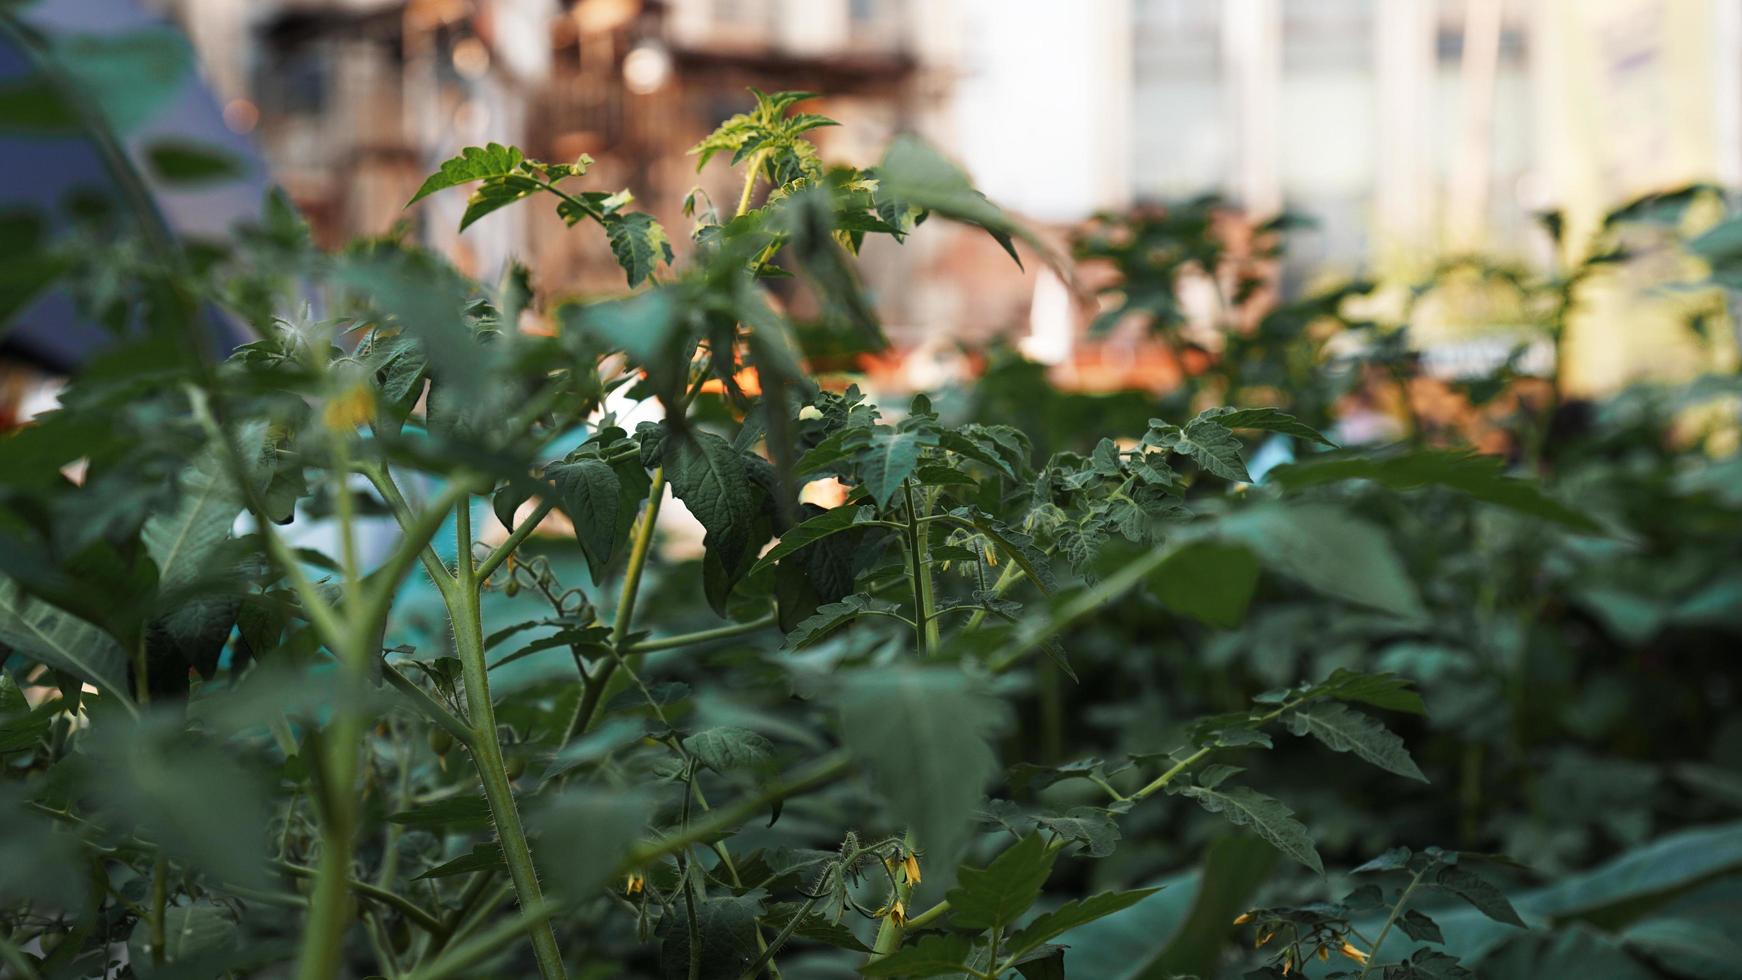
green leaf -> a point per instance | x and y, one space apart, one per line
48 636
473 163
834 615
455 811
585 833
726 928
997 894
727 747
708 475
1344 730
1686 947
182 542
1325 549
639 243
592 497
1211 445
1183 930
831 521
1481 477
913 174
923 734
482 857
184 162
1381 690
1266 816
1074 913
191 934
1268 419
1472 888
935 955
889 460
495 194
1417 926
1207 580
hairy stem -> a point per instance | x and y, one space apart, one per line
467 617
639 549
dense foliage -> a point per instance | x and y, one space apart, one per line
1064 685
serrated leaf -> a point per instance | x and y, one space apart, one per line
639 243
1417 926
1268 817
1381 690
1392 860
1342 729
591 495
834 615
1211 445
726 747
922 732
1000 892
888 460
726 928
473 163
832 521
56 639
708 475
1075 913
1472 888
1267 419
934 955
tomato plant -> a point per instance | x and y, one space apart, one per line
295 683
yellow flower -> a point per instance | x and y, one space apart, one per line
1353 952
634 884
1264 937
910 868
349 409
1243 918
1324 953
896 911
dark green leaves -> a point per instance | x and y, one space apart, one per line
1267 419
593 498
56 639
890 459
708 475
1472 888
1208 443
1344 730
182 162
1077 912
829 522
727 748
1267 817
999 893
923 734
834 615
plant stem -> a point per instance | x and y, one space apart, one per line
824 771
923 625
465 612
159 902
638 552
749 183
1390 920
519 534
702 636
414 913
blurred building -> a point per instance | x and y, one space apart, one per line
1405 129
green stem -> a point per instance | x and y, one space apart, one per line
519 534
780 938
701 636
159 903
749 183
414 913
466 615
12 956
639 549
889 933
1390 920
824 771
924 625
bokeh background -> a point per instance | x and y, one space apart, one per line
1403 132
